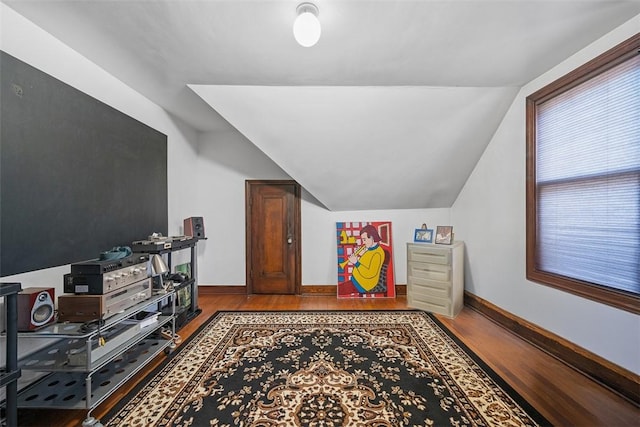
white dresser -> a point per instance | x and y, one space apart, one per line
435 277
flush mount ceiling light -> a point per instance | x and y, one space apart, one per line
306 28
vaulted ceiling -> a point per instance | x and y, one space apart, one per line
391 109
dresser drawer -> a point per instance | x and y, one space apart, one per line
428 253
434 305
424 287
429 271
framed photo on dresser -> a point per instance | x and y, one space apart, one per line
423 235
444 234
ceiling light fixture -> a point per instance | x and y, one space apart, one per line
306 28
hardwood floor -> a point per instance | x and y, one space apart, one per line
564 396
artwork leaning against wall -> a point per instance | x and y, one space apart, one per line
365 260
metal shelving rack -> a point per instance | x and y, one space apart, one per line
86 385
191 244
9 376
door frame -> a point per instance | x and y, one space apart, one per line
297 231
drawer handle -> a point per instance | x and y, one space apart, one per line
431 254
429 271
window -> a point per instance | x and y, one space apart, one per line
583 180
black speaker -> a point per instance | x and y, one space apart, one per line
194 227
36 308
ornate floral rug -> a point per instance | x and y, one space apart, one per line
323 369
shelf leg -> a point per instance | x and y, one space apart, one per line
92 422
87 384
11 302
194 275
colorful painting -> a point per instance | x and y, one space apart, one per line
365 260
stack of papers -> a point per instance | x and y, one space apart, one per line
144 318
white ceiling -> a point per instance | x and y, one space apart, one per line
391 109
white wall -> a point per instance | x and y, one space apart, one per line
225 160
489 215
27 42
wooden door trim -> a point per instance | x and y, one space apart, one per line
297 216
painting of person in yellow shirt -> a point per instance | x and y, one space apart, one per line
368 265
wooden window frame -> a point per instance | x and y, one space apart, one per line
619 299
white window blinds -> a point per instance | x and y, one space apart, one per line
588 180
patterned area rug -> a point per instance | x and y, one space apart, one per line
323 369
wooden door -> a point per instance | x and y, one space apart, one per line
273 237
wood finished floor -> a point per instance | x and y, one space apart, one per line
564 396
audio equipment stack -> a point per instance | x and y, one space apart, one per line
162 243
99 277
102 288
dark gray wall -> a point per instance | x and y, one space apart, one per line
77 177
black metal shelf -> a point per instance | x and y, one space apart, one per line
9 289
180 285
178 245
11 373
160 249
8 377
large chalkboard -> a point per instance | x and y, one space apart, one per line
77 177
